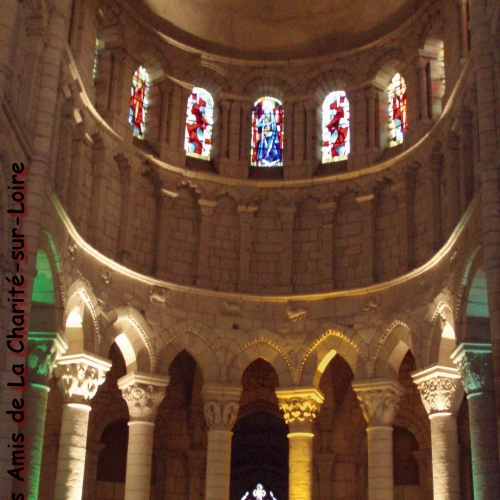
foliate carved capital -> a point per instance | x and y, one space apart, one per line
287 215
43 349
440 389
475 365
80 375
221 405
299 404
207 208
327 212
379 400
143 394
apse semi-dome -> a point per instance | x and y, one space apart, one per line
280 27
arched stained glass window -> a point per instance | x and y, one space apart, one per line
199 121
398 112
139 101
267 133
335 124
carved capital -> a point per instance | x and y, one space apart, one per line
287 215
379 400
474 363
299 404
440 389
221 405
80 375
246 214
143 394
43 349
327 212
207 208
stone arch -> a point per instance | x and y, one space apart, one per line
151 57
412 422
269 83
328 342
82 317
384 68
472 264
193 337
441 339
322 83
133 335
209 79
390 347
265 348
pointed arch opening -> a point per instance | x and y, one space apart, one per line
259 450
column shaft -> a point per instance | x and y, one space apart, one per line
380 466
300 465
445 455
72 451
36 395
139 460
218 464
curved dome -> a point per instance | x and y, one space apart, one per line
279 27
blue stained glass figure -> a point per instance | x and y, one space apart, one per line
267 133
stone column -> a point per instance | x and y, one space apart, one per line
327 211
442 393
221 404
207 209
464 29
424 63
287 217
79 376
300 407
143 394
474 362
324 466
379 401
127 211
43 347
246 214
434 193
234 132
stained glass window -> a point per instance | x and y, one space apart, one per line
398 112
335 123
199 121
267 133
98 50
139 101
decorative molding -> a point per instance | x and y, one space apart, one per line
440 389
80 375
160 296
379 400
296 313
231 308
299 404
475 365
43 349
221 405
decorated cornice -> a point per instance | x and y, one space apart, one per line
379 400
143 394
221 405
474 363
440 389
80 375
